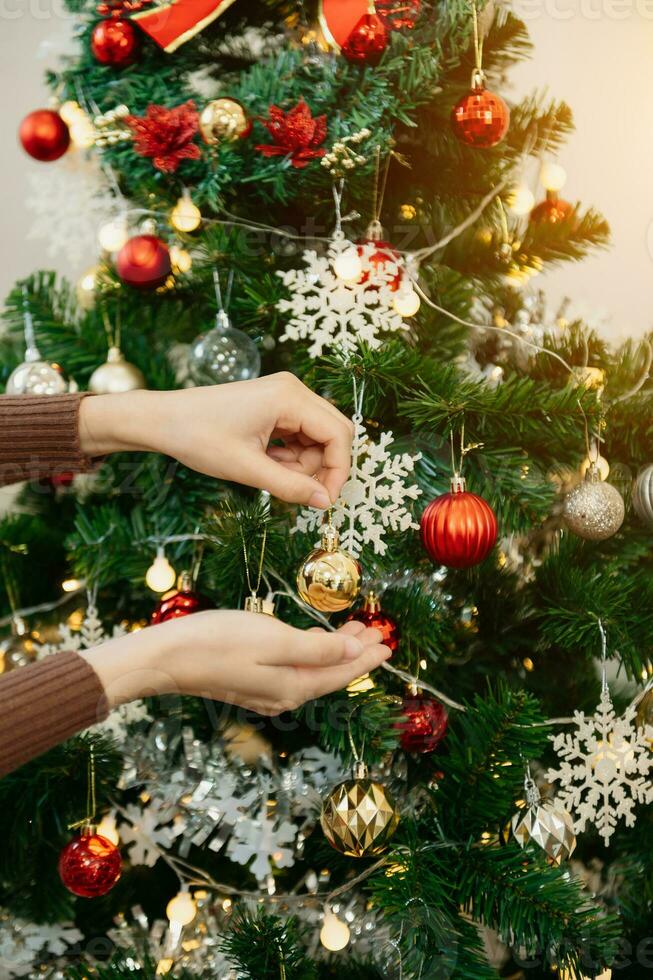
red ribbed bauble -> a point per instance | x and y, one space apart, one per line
372 616
90 865
481 118
367 41
182 602
44 135
552 210
458 529
144 262
115 42
425 724
382 261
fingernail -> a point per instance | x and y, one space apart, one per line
320 500
353 648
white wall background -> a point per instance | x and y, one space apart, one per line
595 54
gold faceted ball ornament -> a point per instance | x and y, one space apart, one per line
329 579
548 824
224 119
19 648
116 375
594 510
359 817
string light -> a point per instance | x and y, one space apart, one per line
180 260
348 265
113 234
521 200
107 828
406 301
160 576
553 176
71 585
334 934
182 909
185 216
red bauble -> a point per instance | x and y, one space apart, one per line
425 724
90 865
383 260
182 602
115 42
458 529
144 262
373 617
481 118
44 135
552 210
367 41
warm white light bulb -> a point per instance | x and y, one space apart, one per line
160 575
180 259
82 133
521 200
348 265
107 828
71 111
553 177
334 934
185 216
113 234
407 301
181 909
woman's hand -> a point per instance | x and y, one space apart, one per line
225 431
246 659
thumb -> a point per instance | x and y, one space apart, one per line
259 470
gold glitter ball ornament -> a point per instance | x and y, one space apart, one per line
549 825
594 510
644 715
359 816
329 579
224 119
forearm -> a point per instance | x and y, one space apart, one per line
120 423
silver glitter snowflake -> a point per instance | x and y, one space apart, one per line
604 768
374 497
333 314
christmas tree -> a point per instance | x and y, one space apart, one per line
341 193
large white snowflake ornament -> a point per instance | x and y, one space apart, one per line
374 497
143 831
266 839
605 768
334 314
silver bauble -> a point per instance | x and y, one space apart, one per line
548 824
594 510
36 377
223 354
116 375
643 496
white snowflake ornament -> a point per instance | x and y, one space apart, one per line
265 839
374 497
605 767
334 314
145 835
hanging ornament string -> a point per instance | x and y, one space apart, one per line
604 658
223 307
31 350
253 589
478 76
91 799
114 336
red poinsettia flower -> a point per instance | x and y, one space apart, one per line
166 135
295 133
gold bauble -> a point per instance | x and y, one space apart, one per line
224 119
359 817
20 648
116 375
329 579
550 826
594 510
588 377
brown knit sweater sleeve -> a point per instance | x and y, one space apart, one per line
44 704
39 437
